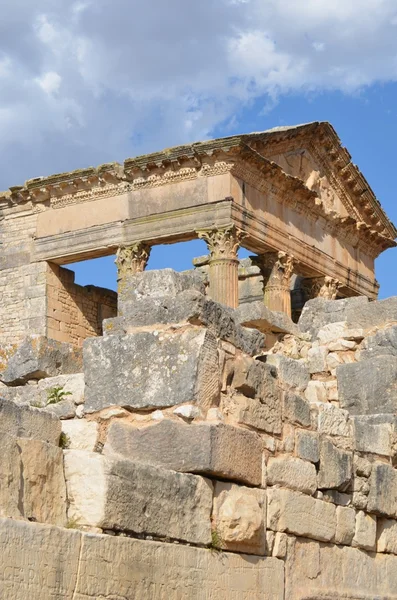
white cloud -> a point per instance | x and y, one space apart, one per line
92 81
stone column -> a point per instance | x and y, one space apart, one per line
131 260
321 287
223 244
276 268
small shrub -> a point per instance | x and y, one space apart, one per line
72 524
64 441
216 541
56 394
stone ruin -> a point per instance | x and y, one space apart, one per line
187 438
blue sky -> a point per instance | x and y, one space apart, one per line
86 82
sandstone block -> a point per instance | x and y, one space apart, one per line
37 357
239 518
374 433
365 535
387 536
335 466
383 490
293 473
258 316
345 525
369 387
307 445
302 515
292 373
316 391
23 421
125 495
81 434
151 370
333 421
210 448
296 409
264 416
280 547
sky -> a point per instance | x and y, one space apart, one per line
83 82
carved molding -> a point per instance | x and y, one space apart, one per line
276 268
321 287
132 259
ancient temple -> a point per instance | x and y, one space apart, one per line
291 195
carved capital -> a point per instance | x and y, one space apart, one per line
222 243
276 268
132 259
321 287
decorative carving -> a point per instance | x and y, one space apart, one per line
132 259
276 268
222 243
321 287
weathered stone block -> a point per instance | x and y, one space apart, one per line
38 357
316 391
124 495
365 535
262 415
239 518
307 445
374 433
72 386
296 409
151 369
23 421
335 466
333 421
317 359
291 373
80 434
258 316
384 342
387 536
300 514
208 448
382 497
292 473
369 387
345 525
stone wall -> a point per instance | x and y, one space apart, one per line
75 312
194 459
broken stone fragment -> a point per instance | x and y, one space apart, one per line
264 415
258 316
210 448
239 518
296 409
23 421
152 369
124 495
37 357
291 373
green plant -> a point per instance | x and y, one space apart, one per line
64 441
36 404
216 541
56 394
72 523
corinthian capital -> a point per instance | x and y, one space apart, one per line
222 243
321 287
276 268
132 259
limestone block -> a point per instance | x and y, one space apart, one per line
72 386
333 572
383 490
384 342
292 373
337 331
37 357
316 391
302 515
374 433
369 387
258 316
32 483
43 562
280 545
210 448
296 409
23 421
293 473
264 416
336 466
239 518
188 306
307 445
64 409
81 434
317 359
345 525
387 536
333 421
365 535
126 495
151 370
